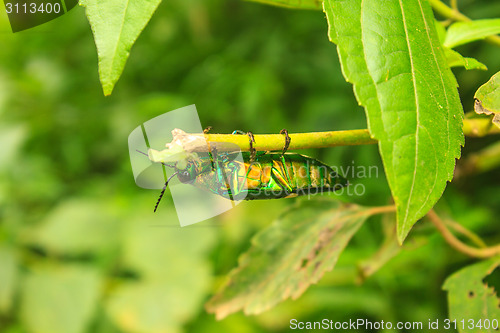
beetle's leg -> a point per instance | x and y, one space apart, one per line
251 139
284 131
220 174
210 149
234 186
225 176
213 156
253 152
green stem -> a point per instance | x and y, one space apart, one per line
276 142
455 15
447 12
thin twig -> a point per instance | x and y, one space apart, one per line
466 233
448 12
381 210
454 242
454 5
376 210
276 142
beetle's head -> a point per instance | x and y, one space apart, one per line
185 165
188 174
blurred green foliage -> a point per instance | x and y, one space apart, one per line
80 247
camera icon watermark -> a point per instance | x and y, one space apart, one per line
206 179
185 156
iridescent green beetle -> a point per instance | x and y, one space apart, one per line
266 175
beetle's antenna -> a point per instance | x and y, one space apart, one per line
163 190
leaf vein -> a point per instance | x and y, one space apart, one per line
405 221
119 37
437 103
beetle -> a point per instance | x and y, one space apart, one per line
263 175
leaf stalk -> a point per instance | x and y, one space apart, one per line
457 244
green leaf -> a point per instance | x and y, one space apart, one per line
116 24
295 4
332 34
465 32
392 56
287 257
61 231
8 277
455 59
59 299
487 98
469 297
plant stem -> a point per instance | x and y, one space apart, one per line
453 4
466 233
454 14
447 12
377 210
276 142
381 210
454 242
